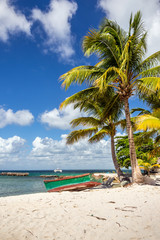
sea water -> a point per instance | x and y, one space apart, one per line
18 185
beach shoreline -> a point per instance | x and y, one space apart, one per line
121 213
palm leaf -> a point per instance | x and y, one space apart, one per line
110 75
75 136
152 72
146 121
102 44
151 61
99 135
149 84
141 110
84 94
81 74
137 25
114 29
90 121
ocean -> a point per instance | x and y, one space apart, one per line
13 185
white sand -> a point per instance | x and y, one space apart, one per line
131 213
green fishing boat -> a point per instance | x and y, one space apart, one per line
72 183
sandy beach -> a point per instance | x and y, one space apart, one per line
108 214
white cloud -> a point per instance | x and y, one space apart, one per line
82 155
119 134
60 118
121 10
56 23
11 21
22 117
48 153
11 149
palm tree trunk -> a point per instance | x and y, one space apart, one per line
115 162
137 176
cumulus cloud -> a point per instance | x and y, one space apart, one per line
121 10
56 24
11 149
48 153
12 21
60 118
21 117
79 155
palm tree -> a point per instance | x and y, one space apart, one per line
121 66
103 111
144 144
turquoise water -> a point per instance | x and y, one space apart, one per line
12 185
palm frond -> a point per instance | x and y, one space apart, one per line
102 44
112 28
152 100
137 26
151 61
149 84
86 121
99 136
152 72
109 76
125 56
122 124
81 74
75 136
79 96
137 35
112 108
146 121
140 110
141 47
88 107
156 165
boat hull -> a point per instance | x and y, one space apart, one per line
65 182
76 187
58 170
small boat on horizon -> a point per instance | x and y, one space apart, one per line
72 183
57 170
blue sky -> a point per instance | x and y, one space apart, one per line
39 41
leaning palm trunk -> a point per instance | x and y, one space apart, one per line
114 158
137 176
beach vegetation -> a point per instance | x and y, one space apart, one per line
149 120
145 148
148 164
